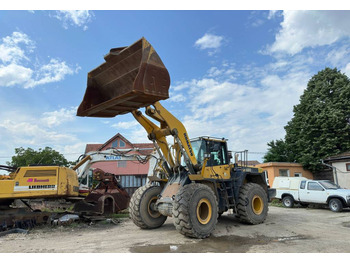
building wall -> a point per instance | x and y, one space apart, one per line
342 174
131 173
273 170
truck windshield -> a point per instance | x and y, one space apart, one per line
329 185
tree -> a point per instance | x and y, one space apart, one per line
46 156
320 126
277 152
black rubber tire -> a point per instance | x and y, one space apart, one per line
288 201
185 208
139 208
335 205
247 194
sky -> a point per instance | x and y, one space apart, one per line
234 74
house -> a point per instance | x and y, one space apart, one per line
276 169
341 168
131 174
248 163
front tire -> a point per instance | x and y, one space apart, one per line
195 210
252 204
335 205
288 201
142 211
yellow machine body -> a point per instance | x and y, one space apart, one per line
40 181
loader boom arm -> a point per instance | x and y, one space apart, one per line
169 125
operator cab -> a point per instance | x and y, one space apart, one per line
214 148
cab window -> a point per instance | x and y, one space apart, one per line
302 184
314 186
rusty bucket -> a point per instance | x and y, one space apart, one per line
132 77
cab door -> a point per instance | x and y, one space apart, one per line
313 193
217 166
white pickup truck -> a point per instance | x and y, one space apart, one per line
301 190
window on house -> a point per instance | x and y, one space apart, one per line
121 163
347 166
284 172
115 143
121 143
298 174
314 186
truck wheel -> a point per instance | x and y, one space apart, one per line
288 201
252 204
335 205
142 211
195 210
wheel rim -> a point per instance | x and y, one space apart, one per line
334 205
204 211
257 204
287 202
151 208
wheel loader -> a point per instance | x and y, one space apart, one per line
196 182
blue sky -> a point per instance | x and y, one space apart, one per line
234 74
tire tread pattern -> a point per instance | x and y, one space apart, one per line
242 205
181 207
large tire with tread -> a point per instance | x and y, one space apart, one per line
141 207
288 201
335 205
195 210
252 204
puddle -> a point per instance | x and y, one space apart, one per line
346 224
224 244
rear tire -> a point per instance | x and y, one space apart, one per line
252 204
335 205
288 201
195 211
142 210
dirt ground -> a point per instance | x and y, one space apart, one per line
294 230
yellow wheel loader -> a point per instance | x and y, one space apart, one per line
196 182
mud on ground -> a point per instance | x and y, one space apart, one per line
285 230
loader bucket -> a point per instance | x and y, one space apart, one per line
132 77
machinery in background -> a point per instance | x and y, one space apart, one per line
104 194
54 183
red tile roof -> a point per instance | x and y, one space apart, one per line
99 147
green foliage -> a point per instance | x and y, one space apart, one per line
320 126
29 156
277 152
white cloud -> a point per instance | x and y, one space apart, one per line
125 125
58 117
16 68
78 18
346 70
211 42
248 115
54 71
13 74
13 48
302 29
22 129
